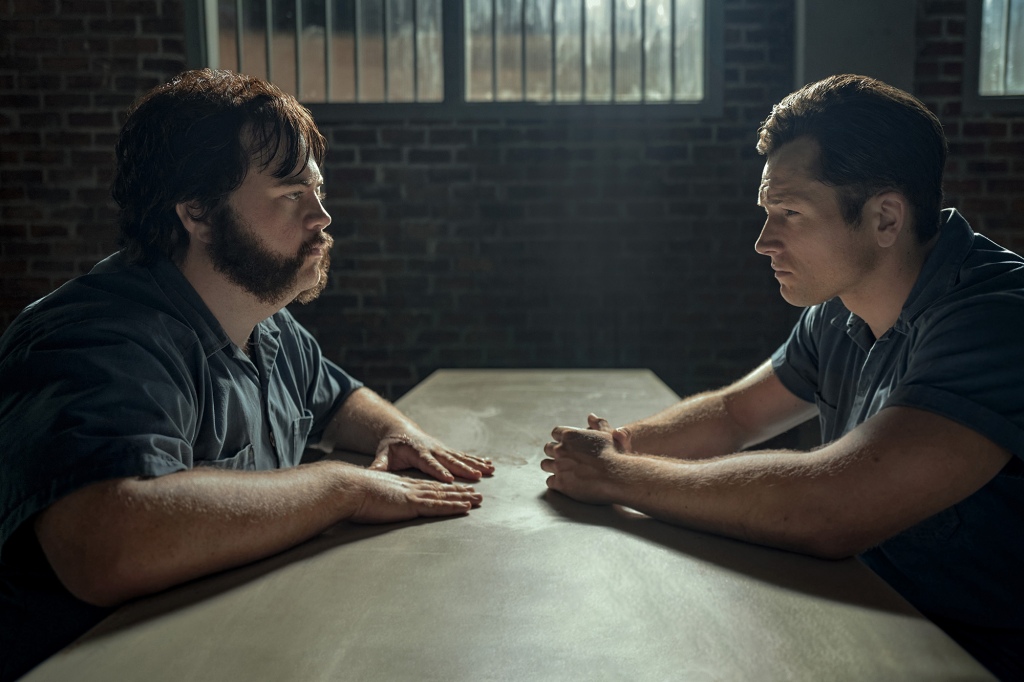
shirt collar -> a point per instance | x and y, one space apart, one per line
938 274
190 305
194 310
940 270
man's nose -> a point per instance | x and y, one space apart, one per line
319 218
766 244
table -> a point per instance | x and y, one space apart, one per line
530 586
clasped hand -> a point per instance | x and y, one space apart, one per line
584 463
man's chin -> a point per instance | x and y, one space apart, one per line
310 294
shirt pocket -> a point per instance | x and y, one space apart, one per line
827 417
244 460
300 434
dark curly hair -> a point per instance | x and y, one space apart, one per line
873 138
194 139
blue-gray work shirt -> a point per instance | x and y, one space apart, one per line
125 372
956 350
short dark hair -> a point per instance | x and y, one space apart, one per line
194 139
872 138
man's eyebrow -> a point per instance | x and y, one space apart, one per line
774 198
304 180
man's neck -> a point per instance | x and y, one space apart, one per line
237 310
880 299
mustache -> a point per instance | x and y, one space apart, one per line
322 241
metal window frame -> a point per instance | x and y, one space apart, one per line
974 102
199 42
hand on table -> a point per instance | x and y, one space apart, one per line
388 498
417 450
584 463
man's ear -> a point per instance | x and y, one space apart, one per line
889 214
197 229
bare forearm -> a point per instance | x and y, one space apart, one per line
770 498
696 428
748 412
362 421
159 532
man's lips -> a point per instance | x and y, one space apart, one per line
317 248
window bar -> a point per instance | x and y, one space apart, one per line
494 50
1004 63
356 34
614 49
298 49
384 40
522 49
453 38
239 34
672 51
269 35
643 51
328 35
583 51
415 52
554 53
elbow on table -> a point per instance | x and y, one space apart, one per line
831 542
815 534
105 581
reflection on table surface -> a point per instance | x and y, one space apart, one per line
530 586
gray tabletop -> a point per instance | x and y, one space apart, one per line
530 586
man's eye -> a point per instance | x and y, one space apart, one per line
790 213
294 196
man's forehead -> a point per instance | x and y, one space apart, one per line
790 172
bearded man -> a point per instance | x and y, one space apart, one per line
155 411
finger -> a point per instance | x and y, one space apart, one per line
459 466
428 465
433 507
548 465
559 432
622 439
448 493
480 464
597 423
381 460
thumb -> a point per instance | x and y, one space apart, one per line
380 462
622 439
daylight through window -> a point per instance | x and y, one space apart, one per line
392 51
1002 48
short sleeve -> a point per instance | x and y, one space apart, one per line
323 385
966 364
796 361
89 402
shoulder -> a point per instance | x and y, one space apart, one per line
985 295
114 314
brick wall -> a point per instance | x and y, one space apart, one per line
68 70
985 174
547 242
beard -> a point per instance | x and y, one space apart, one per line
238 253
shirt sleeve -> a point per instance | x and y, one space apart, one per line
88 402
324 384
796 361
965 364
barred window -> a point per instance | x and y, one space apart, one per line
462 51
994 61
1002 51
